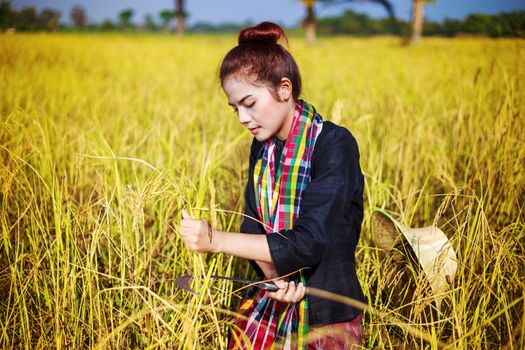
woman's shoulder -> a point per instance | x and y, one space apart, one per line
336 149
331 129
333 135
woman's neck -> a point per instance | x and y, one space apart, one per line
283 132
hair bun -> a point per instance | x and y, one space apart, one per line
264 32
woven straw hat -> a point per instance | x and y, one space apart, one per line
433 251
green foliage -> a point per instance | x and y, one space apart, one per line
49 19
125 18
149 23
28 18
107 25
205 27
506 24
511 24
166 16
7 15
358 24
78 16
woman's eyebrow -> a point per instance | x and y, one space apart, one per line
242 99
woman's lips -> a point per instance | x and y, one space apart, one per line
254 130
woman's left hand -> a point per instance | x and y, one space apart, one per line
197 234
288 292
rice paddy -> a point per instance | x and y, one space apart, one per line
104 138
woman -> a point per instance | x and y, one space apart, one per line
306 186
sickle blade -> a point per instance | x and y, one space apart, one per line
184 283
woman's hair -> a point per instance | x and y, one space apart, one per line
258 56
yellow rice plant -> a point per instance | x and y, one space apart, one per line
104 138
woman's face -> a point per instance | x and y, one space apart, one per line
257 108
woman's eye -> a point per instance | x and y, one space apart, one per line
250 105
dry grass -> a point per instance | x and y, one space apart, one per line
103 138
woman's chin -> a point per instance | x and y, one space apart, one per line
261 136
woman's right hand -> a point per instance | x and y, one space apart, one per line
288 292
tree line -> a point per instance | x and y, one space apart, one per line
505 24
509 24
29 19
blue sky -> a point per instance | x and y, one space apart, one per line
287 12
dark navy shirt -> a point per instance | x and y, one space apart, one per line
325 234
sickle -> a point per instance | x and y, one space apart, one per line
184 283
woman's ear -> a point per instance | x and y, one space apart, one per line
285 89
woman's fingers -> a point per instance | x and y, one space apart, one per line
299 294
195 233
288 292
281 284
283 287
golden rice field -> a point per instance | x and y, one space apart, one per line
104 138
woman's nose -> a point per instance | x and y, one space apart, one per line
244 118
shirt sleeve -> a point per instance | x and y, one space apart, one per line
249 225
336 179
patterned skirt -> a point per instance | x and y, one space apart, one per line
336 336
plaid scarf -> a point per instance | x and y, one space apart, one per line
266 323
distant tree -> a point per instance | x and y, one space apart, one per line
180 17
387 5
503 24
431 28
309 22
477 23
7 15
358 24
49 19
166 16
125 17
78 16
509 24
149 23
226 27
418 20
27 19
451 27
107 25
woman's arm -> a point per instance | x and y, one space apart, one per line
243 245
268 269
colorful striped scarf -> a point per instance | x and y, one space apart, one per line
266 323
